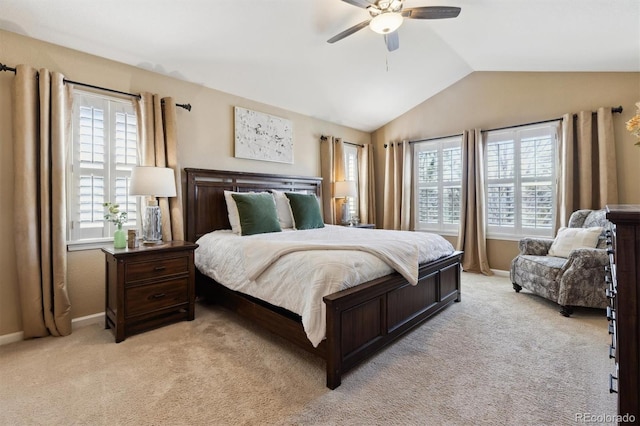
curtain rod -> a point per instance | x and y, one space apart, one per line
614 110
434 139
4 67
324 138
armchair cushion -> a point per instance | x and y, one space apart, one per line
569 239
535 246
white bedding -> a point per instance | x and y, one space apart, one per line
297 280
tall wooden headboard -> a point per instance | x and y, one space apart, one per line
206 209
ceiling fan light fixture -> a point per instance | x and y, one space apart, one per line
386 23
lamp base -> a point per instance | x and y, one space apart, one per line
152 225
345 213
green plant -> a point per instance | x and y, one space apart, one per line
114 214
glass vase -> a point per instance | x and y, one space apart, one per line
119 238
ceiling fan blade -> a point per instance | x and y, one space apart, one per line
349 31
431 12
361 3
392 40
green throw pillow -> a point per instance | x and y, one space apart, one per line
257 213
305 210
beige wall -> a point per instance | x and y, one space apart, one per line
489 100
205 141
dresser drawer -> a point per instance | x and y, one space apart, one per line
148 298
136 271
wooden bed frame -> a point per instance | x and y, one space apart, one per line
360 320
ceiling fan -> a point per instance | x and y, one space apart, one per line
388 15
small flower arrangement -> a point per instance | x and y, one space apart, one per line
115 215
633 125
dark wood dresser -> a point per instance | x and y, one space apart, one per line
148 287
623 313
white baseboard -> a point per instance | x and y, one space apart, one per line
500 272
5 339
76 323
87 320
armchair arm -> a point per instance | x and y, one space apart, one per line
586 258
582 280
535 246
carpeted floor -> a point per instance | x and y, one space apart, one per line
495 358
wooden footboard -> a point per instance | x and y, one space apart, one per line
363 319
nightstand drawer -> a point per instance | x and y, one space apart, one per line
136 271
148 298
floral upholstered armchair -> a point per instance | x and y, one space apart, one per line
558 271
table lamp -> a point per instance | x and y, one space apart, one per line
152 182
344 189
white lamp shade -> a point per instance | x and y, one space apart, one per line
152 181
345 188
386 22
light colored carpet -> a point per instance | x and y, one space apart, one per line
495 358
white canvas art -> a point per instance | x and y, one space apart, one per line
264 137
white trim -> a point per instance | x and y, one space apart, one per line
5 339
76 323
500 273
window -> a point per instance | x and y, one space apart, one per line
103 153
437 184
351 173
520 185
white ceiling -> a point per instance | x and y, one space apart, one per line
275 51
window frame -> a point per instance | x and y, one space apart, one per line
351 173
80 237
517 135
440 145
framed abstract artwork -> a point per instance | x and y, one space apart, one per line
260 136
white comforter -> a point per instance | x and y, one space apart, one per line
295 269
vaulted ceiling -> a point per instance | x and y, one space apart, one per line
276 51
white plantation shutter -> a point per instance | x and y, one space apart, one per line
500 180
437 184
103 153
521 173
351 173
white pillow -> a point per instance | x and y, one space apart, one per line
232 209
283 208
572 238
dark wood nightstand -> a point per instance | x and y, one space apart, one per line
148 287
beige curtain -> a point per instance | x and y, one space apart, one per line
397 186
158 141
587 168
472 236
41 126
366 185
332 171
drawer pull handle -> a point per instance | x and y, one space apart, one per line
611 379
158 296
612 352
159 268
611 313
